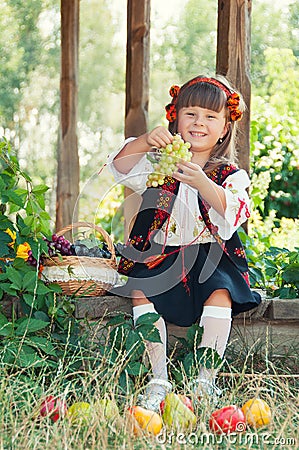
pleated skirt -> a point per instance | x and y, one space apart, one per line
184 280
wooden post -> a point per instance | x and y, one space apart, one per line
233 61
68 160
137 86
137 71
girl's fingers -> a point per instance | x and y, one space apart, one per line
187 164
160 141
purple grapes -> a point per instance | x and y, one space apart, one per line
59 245
31 260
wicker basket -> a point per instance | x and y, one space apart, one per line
82 275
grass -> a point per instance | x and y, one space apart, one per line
246 375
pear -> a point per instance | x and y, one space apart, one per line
176 414
107 409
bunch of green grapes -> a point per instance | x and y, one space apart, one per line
165 160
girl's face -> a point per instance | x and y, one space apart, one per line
202 128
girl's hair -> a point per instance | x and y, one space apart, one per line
202 91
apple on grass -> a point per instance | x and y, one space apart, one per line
186 400
53 407
228 419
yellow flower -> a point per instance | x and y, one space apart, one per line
22 251
13 236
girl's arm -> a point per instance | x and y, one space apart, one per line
129 156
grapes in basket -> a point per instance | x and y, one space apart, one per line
164 160
59 245
88 246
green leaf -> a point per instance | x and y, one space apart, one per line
14 277
148 318
45 215
270 264
193 335
118 336
28 220
41 315
271 271
42 288
117 320
42 343
6 287
256 274
40 189
135 368
286 292
207 357
149 332
14 198
54 287
5 238
29 281
44 226
291 273
40 200
132 341
7 329
21 191
188 363
29 298
30 325
27 359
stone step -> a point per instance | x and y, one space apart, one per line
273 325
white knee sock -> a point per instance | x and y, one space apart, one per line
156 350
216 321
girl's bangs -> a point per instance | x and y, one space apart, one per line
203 95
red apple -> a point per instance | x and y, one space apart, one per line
53 407
227 420
186 400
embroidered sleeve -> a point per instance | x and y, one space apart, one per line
237 205
137 177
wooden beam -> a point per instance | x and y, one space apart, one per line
233 61
137 87
137 70
68 160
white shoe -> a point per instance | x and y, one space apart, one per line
202 388
152 397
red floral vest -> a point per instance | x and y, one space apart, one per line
156 207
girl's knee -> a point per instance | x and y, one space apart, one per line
219 297
138 298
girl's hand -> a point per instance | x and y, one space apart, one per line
193 175
189 173
159 137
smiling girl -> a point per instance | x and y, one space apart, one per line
189 227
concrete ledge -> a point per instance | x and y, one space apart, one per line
273 326
97 307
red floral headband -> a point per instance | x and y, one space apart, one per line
233 99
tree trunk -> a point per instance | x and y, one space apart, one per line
137 86
68 160
233 61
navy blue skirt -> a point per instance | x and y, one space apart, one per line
184 280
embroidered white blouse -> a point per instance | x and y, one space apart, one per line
186 224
